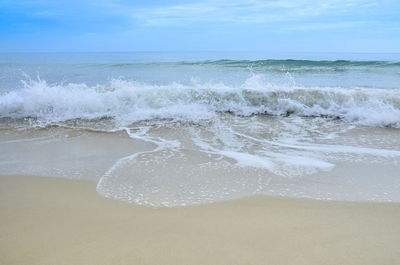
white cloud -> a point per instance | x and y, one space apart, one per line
326 25
238 11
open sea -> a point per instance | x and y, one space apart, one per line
186 128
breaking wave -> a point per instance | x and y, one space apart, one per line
128 101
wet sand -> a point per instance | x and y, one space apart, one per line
58 221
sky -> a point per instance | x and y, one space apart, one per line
219 25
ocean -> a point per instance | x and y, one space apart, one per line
186 128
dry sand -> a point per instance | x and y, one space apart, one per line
49 221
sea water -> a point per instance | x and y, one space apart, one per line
184 128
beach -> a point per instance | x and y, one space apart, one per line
262 132
199 158
200 132
61 221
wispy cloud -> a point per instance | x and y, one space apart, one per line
326 25
237 11
170 13
200 24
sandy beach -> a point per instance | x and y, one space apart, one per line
262 132
59 221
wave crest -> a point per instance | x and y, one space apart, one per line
298 63
127 101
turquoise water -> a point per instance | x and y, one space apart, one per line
380 70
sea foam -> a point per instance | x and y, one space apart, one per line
129 101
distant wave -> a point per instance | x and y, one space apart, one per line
271 63
299 63
127 102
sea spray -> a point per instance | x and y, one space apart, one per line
129 101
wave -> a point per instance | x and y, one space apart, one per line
127 102
299 63
274 63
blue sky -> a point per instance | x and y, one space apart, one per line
225 25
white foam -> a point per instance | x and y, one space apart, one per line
141 134
283 163
127 101
338 149
245 159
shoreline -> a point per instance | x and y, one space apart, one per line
61 221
